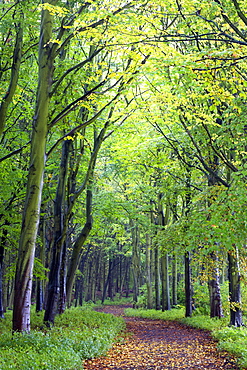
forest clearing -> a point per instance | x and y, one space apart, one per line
123 170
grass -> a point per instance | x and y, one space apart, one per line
174 314
78 334
230 339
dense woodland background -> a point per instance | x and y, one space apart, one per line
123 155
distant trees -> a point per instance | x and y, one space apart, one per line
133 155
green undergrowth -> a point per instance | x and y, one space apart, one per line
117 301
78 334
230 339
174 314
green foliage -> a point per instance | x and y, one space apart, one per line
174 314
78 334
201 297
205 322
116 301
39 271
233 340
230 339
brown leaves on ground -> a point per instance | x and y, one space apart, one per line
161 345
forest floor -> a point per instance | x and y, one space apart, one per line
161 345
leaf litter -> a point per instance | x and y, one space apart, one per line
161 345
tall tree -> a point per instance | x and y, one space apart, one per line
24 269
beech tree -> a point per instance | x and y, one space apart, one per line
45 118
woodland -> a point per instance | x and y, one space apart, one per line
123 156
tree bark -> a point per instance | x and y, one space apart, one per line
166 304
30 220
188 286
58 239
214 289
187 257
135 262
63 275
214 280
76 253
157 277
110 268
148 273
174 280
234 289
164 261
40 283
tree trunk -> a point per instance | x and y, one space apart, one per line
157 277
174 280
76 253
164 261
135 263
63 274
30 221
3 240
188 286
187 257
111 279
58 239
234 289
148 273
214 289
40 283
166 304
214 280
107 281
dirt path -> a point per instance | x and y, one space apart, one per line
161 345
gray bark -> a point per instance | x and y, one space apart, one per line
234 289
30 220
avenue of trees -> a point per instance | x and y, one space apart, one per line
123 154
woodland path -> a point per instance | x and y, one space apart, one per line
161 345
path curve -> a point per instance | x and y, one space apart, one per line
161 345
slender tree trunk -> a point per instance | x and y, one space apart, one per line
59 240
148 273
214 289
174 280
110 279
164 260
80 280
76 253
166 304
135 263
173 208
214 280
40 283
30 221
3 240
107 281
63 274
187 256
157 277
234 289
188 286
